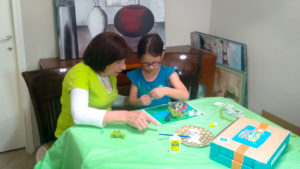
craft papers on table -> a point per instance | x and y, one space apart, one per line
162 111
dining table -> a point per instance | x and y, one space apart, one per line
88 147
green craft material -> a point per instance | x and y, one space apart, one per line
117 134
222 116
176 114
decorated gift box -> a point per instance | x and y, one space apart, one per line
249 144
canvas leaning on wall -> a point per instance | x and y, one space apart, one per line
229 83
230 54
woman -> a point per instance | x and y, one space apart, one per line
89 88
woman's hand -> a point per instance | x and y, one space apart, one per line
145 100
139 119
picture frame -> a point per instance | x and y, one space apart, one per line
228 52
78 21
230 83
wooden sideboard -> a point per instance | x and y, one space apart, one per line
193 63
194 66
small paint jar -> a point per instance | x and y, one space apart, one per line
175 141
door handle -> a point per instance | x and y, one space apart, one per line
8 37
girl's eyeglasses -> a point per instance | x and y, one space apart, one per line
148 64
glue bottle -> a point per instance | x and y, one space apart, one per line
175 141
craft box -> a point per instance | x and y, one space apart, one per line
249 144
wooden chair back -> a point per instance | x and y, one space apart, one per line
45 87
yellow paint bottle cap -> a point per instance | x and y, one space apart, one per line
213 124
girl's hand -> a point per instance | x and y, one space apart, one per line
158 92
145 100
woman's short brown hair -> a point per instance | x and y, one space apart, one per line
104 49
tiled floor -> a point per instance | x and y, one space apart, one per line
17 159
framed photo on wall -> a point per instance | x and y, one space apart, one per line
230 83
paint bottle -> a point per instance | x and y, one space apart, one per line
175 141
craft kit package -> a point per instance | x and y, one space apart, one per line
249 144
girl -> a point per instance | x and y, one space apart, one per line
151 84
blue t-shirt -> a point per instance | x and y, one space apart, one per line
144 87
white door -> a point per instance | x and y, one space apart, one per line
12 130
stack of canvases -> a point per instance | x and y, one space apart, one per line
249 144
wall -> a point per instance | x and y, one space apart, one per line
40 42
183 17
271 30
39 31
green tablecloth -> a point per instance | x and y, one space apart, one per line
89 147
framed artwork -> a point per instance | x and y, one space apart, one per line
173 112
228 52
230 83
78 21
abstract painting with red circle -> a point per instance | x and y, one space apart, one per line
130 18
134 20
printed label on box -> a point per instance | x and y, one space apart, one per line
250 137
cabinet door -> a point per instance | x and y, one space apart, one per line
188 66
193 63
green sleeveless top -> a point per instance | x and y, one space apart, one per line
83 77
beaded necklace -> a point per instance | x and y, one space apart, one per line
106 86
